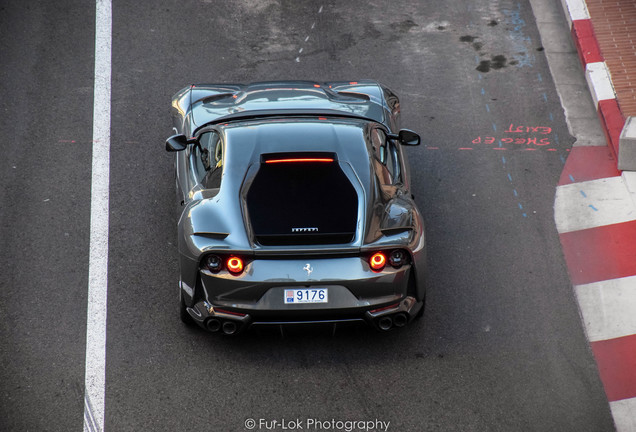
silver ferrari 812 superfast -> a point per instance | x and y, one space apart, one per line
295 206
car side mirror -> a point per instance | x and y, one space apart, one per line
408 137
178 143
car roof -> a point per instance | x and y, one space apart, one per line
344 136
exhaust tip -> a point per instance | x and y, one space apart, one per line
385 323
400 320
229 328
213 325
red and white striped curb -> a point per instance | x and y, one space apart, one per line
596 220
595 214
596 72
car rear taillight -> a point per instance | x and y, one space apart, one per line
377 261
398 258
214 263
234 265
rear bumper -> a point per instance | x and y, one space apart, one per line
222 302
350 281
233 321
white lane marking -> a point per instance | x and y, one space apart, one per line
607 308
623 413
592 203
95 369
300 51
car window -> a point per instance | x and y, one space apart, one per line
386 164
197 167
392 162
211 159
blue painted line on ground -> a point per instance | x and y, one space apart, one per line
521 42
592 207
572 179
551 117
545 97
494 126
539 77
584 195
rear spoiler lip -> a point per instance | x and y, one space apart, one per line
256 114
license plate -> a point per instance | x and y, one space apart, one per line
306 295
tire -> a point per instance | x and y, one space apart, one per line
411 291
420 313
183 312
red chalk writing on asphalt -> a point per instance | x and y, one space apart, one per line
543 130
509 140
519 140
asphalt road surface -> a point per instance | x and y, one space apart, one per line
501 347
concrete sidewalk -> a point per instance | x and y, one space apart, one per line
595 204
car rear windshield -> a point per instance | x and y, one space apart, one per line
302 198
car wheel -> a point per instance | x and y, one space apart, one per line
420 313
183 312
411 291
